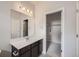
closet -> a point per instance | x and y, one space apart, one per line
53 34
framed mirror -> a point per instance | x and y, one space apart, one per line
20 25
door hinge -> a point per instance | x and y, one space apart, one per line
77 10
61 50
77 35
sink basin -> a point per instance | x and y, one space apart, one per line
20 42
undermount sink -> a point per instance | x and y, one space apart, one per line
19 42
24 41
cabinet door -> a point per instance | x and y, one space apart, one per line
15 52
27 54
35 51
24 50
40 47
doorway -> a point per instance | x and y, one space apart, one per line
53 34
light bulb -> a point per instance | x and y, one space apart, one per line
28 10
23 8
31 12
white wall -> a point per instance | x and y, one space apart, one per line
5 22
4 25
69 23
77 28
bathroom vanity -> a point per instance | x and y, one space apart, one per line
22 26
32 48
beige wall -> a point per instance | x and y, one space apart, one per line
69 30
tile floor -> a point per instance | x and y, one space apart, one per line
54 50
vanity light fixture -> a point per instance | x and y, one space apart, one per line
27 11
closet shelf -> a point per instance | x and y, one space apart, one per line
56 24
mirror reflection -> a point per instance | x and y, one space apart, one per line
25 28
19 24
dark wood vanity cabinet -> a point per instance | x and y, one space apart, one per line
26 54
32 50
35 49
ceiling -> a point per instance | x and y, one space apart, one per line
42 2
35 2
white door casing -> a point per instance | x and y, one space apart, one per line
62 29
77 29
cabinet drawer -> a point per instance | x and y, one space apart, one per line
35 52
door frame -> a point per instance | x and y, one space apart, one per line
62 28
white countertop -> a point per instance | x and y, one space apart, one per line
22 42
